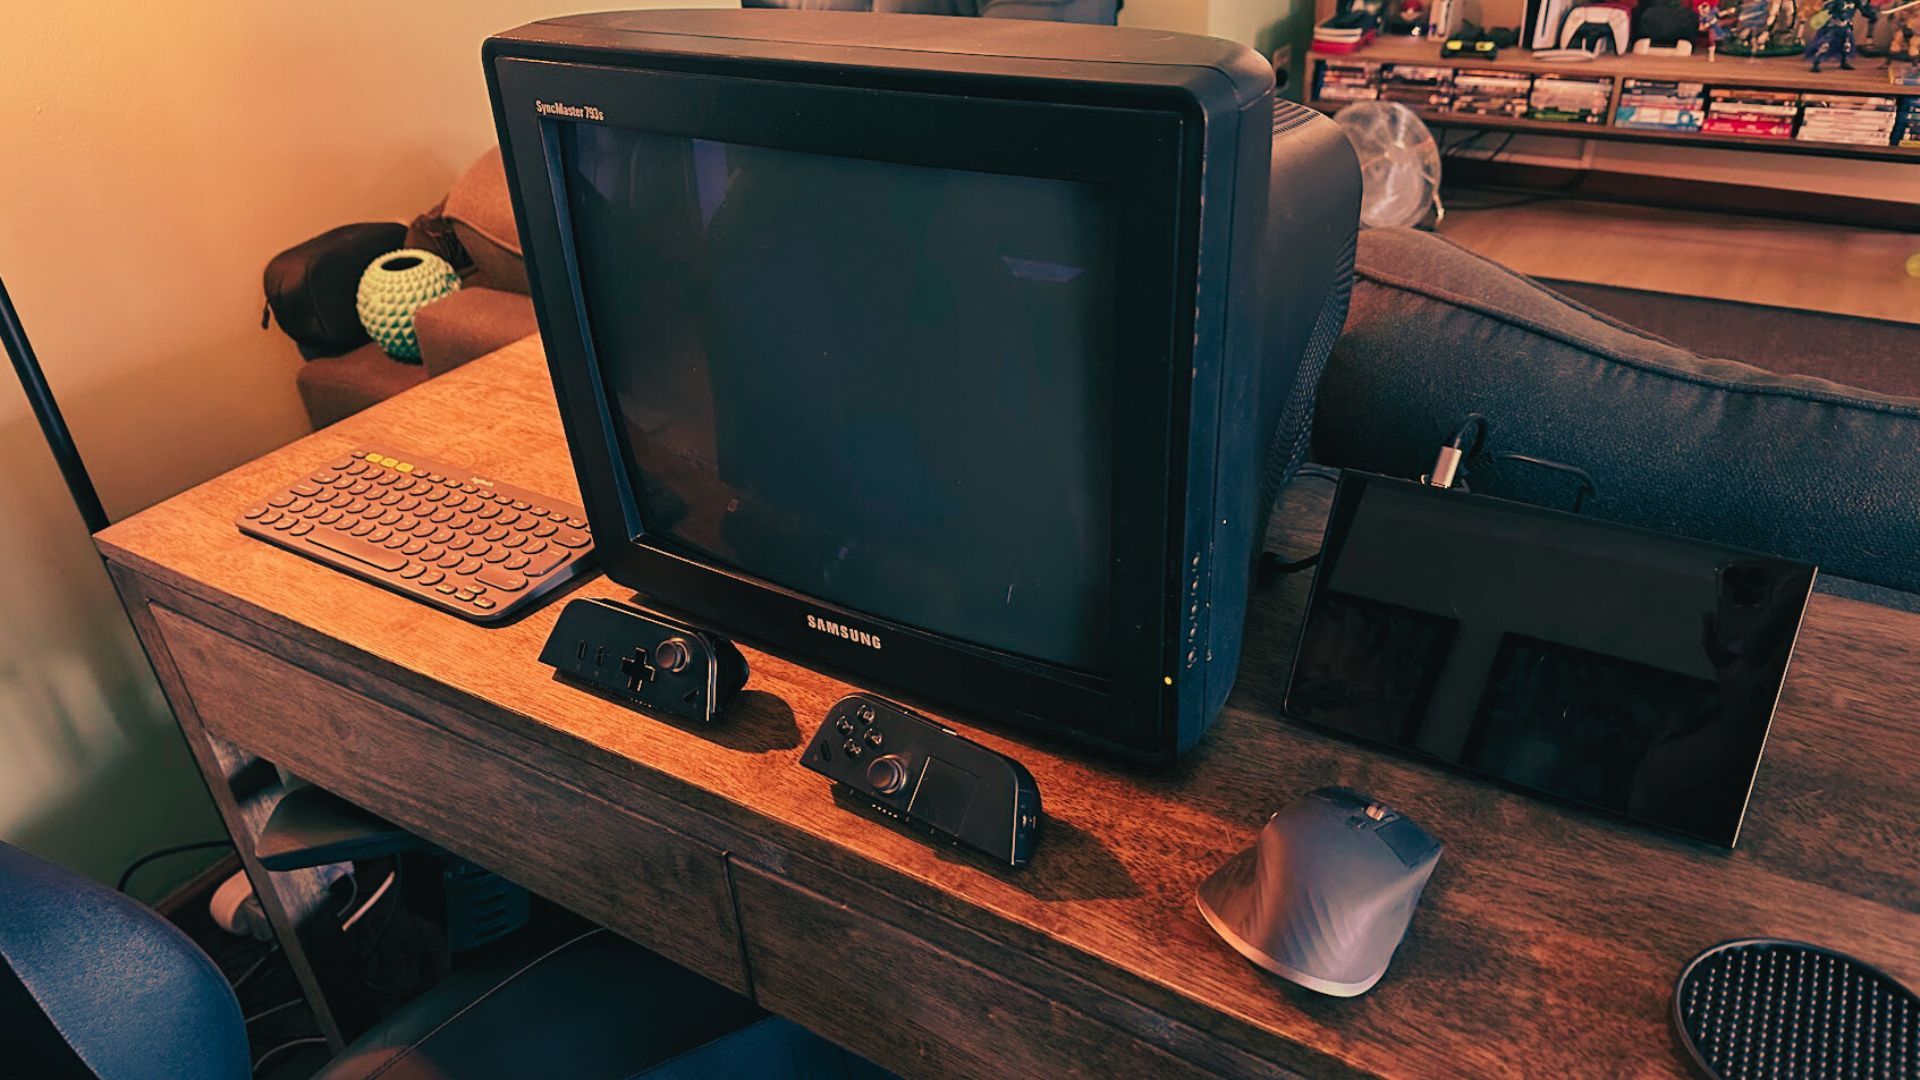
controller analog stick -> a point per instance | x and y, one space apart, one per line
887 774
673 655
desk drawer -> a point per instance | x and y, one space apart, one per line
648 882
849 972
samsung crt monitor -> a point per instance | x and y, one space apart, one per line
947 353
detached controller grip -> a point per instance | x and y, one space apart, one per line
893 760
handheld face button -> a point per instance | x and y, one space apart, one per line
673 655
888 774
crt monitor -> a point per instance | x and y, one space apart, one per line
960 356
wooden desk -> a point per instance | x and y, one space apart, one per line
1546 944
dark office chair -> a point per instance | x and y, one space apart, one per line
93 984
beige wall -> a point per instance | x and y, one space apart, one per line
155 155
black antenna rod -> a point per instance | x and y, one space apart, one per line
47 411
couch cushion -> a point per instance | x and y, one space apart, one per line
1714 449
469 324
481 211
335 388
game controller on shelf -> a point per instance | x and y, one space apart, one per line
1591 27
892 760
645 660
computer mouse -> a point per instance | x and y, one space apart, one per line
1325 893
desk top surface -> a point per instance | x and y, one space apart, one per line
1547 941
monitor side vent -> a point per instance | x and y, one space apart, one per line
1288 115
1295 429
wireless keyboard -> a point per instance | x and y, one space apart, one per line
483 550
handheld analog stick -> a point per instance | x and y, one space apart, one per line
887 774
673 655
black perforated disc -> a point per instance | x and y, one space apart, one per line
1768 1008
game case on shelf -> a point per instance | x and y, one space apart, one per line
1661 105
1569 99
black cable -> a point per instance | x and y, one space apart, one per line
310 1040
271 1009
254 968
1271 567
1587 488
198 845
1478 425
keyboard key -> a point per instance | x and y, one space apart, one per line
515 540
314 510
519 505
362 529
283 498
371 554
440 534
508 517
269 517
468 566
569 538
433 553
377 534
479 548
466 594
545 529
406 523
432 577
534 547
355 468
442 515
504 580
484 603
460 542
450 560
495 534
285 522
414 546
256 511
497 555
330 517
394 542
407 505
434 494
576 523
491 510
412 570
306 489
444 589
544 563
515 562
324 476
300 528
359 487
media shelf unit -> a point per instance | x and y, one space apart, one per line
1788 73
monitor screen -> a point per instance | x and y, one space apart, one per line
883 385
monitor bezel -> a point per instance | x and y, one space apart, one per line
1138 143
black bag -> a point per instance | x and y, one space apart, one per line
311 286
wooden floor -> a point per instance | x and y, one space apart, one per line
1848 271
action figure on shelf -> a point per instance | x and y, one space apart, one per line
1833 31
1760 27
1712 25
1904 20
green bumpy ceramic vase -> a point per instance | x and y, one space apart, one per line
396 285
